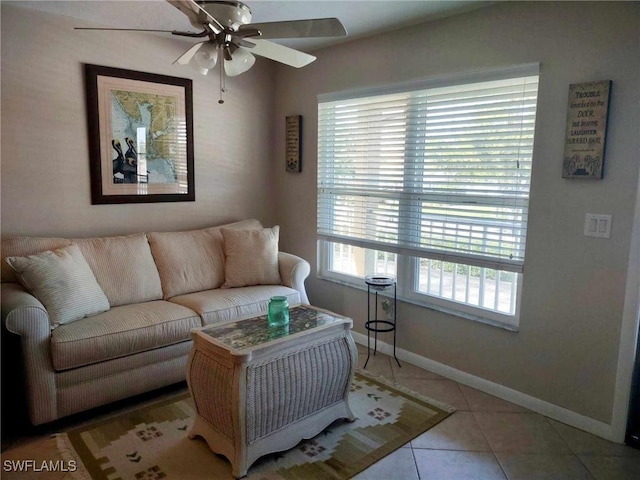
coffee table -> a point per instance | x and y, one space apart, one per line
259 390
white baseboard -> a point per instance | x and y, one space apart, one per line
537 405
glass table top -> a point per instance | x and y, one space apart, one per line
256 331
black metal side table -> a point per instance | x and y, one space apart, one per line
379 283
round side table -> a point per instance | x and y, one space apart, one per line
376 284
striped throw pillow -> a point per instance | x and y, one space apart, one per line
63 282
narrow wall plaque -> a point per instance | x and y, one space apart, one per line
586 130
294 133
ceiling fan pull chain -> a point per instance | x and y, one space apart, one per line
223 87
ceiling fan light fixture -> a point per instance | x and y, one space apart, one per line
205 58
241 62
230 40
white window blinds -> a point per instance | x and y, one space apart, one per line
439 172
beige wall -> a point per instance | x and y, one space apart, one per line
566 351
45 164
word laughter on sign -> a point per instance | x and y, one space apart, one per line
586 130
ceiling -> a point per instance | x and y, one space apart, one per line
360 17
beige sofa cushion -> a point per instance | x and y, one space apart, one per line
223 305
63 281
121 331
191 261
23 246
124 268
251 257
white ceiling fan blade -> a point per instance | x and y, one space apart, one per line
186 57
280 53
197 15
317 27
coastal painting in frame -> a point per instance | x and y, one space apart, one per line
140 136
586 131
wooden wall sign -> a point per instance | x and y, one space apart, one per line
294 134
586 130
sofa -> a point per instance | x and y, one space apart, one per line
102 319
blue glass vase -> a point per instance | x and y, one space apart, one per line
278 313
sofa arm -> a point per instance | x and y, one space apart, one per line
293 272
25 316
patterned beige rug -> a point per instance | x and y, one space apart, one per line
151 443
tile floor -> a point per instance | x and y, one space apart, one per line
486 438
489 438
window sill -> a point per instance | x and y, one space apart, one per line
425 304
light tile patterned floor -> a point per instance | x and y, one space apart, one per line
487 438
490 438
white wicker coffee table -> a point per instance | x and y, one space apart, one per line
259 390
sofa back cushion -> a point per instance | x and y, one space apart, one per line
24 246
124 268
192 261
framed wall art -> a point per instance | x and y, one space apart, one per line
140 136
586 130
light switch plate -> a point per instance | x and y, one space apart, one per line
596 225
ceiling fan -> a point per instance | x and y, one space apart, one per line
232 41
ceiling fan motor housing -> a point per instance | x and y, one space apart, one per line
229 14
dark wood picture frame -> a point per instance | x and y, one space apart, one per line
158 163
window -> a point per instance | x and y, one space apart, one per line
430 183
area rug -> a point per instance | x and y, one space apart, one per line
151 443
